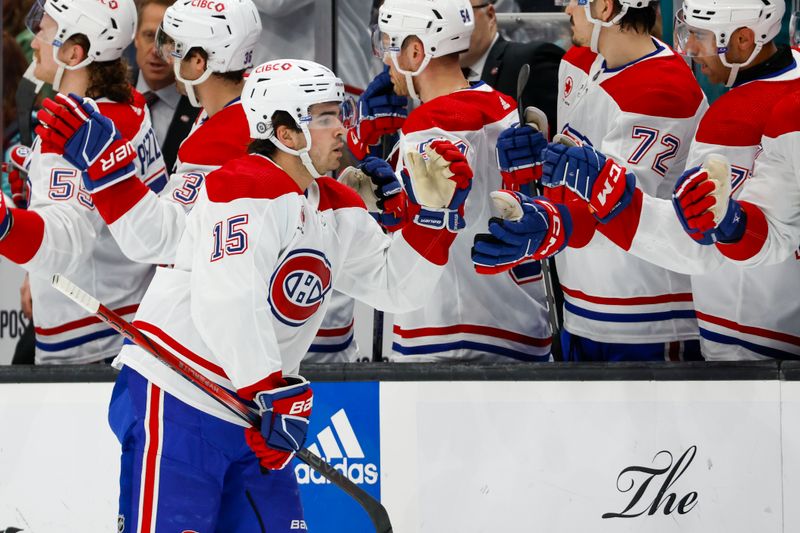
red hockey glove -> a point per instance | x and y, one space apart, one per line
15 173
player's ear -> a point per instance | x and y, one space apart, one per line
72 53
605 9
416 52
196 63
743 41
290 138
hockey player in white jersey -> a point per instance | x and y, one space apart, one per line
743 313
469 317
625 93
265 244
77 47
765 217
210 47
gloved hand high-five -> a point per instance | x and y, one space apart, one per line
89 140
437 182
703 204
599 181
519 152
391 199
381 112
284 423
15 173
531 228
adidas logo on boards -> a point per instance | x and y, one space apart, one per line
348 458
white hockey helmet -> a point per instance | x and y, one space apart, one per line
443 26
109 25
293 86
704 27
597 24
226 30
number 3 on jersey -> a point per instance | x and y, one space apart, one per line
230 238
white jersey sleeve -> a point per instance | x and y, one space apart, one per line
771 196
148 226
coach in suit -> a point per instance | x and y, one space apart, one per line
172 113
497 62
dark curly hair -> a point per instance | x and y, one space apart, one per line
107 79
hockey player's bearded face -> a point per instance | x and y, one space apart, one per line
409 59
713 69
327 137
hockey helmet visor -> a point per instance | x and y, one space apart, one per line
347 116
380 43
691 41
166 48
33 22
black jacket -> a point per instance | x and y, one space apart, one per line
502 67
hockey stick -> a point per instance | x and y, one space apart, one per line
28 89
522 81
377 512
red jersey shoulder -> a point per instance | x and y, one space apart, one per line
127 116
251 176
742 115
657 87
334 195
581 57
785 117
465 110
224 136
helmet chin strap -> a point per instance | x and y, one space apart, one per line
735 67
302 153
62 67
189 84
409 76
598 24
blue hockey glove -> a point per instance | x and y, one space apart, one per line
603 184
391 198
284 423
380 111
536 229
706 210
89 141
519 157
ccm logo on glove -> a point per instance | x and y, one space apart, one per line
613 174
556 239
117 156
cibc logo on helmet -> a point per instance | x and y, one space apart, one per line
219 7
271 67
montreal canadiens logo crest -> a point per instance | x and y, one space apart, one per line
299 285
